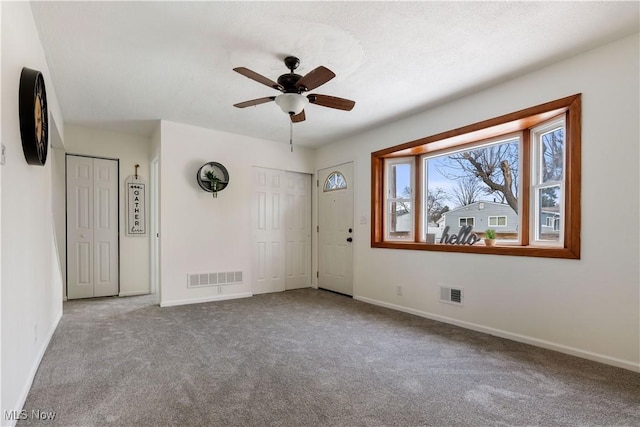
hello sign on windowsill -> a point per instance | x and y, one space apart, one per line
464 236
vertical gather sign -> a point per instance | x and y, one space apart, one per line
136 208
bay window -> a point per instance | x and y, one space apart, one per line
518 175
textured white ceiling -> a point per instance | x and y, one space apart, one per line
121 65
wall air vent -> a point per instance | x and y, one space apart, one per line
451 295
199 280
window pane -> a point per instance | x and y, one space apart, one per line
400 181
466 221
497 221
399 216
335 181
552 155
549 212
477 187
400 219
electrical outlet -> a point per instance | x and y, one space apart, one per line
2 155
399 290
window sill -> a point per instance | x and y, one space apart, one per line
530 251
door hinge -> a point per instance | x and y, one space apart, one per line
317 183
317 274
317 228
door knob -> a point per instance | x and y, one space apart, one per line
349 239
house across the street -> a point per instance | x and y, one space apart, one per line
482 215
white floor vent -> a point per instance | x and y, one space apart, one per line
198 280
451 295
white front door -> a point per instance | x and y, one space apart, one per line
92 227
335 233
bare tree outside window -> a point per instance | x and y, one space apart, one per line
552 155
468 190
436 207
495 166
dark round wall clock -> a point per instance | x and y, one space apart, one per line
34 117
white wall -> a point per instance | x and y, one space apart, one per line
57 159
200 234
1 335
588 307
130 150
58 199
31 280
154 212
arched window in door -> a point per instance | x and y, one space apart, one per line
335 181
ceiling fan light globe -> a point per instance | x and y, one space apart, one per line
292 103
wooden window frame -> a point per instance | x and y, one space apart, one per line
519 121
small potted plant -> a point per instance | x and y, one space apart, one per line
214 181
490 237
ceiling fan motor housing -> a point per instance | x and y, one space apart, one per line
288 82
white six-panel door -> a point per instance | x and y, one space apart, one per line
268 239
281 225
92 227
298 230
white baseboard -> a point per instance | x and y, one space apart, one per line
134 293
608 360
34 369
205 299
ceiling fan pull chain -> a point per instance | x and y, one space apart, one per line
291 135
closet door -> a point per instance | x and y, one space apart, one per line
281 226
298 230
268 259
92 227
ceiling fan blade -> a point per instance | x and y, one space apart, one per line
315 78
300 117
258 77
254 102
332 102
